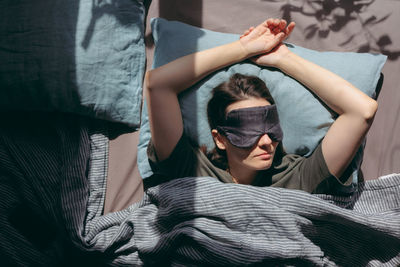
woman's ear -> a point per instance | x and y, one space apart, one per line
218 139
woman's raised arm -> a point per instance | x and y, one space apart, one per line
163 84
356 110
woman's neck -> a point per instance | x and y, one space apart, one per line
242 176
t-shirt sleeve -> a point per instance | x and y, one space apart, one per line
185 160
316 177
181 162
313 170
296 172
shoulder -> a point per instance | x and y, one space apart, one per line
288 162
299 172
186 160
181 146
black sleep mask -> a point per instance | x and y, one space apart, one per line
243 127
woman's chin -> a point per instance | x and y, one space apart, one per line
263 165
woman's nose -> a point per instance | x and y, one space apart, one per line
264 140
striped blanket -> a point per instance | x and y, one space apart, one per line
185 222
203 222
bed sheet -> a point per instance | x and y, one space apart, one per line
124 183
356 26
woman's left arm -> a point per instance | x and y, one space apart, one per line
356 110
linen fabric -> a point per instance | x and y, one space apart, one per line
39 152
85 57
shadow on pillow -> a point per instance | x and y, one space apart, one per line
85 57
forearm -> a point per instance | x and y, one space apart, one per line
340 95
186 71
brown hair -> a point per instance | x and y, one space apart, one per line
238 87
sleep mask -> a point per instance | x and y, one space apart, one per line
243 127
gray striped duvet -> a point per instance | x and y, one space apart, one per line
52 188
203 222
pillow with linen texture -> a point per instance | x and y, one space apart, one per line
85 57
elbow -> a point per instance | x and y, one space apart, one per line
370 110
151 85
148 81
155 82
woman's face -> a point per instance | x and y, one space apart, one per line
253 159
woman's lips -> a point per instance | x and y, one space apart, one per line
264 156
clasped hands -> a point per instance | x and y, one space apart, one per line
264 42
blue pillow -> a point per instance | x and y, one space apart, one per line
85 57
304 119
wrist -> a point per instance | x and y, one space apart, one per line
284 59
244 53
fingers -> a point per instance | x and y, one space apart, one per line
277 26
282 24
247 32
276 30
290 28
273 22
269 22
279 38
276 23
260 29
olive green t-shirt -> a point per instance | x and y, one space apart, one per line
309 174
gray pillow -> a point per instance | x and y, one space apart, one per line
304 119
85 57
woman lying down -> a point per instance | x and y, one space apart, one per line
244 120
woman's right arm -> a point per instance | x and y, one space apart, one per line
163 84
